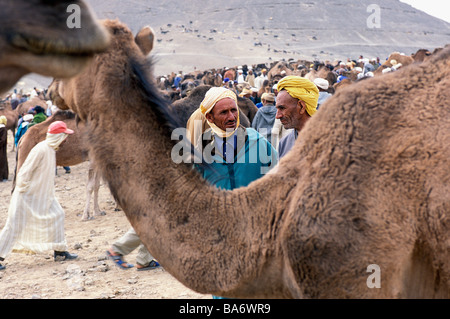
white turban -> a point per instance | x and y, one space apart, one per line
212 96
28 117
321 83
54 140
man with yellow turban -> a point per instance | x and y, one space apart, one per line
237 155
296 103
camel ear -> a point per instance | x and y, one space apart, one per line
144 39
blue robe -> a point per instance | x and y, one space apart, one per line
251 161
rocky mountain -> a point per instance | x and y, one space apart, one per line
203 34
199 34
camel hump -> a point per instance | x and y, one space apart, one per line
144 39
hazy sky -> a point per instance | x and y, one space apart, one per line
437 8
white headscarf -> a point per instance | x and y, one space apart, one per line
54 140
3 121
214 95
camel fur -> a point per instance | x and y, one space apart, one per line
366 183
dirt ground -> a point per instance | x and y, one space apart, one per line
92 275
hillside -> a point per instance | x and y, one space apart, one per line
206 34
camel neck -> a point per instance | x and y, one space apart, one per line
186 223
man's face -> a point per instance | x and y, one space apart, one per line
224 114
290 111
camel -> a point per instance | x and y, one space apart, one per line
421 55
324 73
340 85
274 74
73 152
24 107
212 78
365 187
35 37
403 59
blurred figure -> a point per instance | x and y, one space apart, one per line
35 220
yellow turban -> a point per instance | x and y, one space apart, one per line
302 89
212 96
3 120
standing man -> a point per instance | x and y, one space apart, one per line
35 220
265 117
296 104
322 85
238 155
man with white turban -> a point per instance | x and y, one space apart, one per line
322 85
237 155
296 103
23 127
35 221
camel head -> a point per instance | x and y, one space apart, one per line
71 91
52 38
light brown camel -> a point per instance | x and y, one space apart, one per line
24 107
35 37
274 74
403 59
212 78
324 73
340 85
71 153
367 183
421 55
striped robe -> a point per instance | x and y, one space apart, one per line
35 221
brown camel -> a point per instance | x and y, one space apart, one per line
71 153
324 73
24 107
212 78
421 55
404 60
340 85
365 187
35 37
274 75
